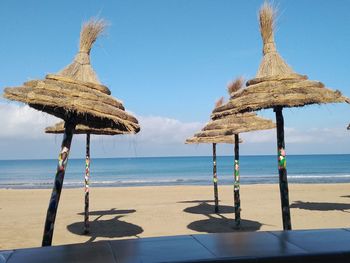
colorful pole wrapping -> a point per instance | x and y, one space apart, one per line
236 188
56 191
87 180
282 170
215 180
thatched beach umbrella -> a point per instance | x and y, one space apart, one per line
82 129
219 138
235 124
277 86
76 96
213 140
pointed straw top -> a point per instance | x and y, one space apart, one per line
58 128
272 63
80 69
75 93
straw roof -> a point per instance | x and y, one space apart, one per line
75 92
213 139
235 124
276 84
82 129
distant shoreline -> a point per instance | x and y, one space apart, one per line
173 171
186 156
78 185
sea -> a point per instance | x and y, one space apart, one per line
167 171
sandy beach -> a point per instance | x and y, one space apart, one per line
134 212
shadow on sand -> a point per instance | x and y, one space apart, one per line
111 228
206 209
322 206
197 201
223 225
111 211
217 223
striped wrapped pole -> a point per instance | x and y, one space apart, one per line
57 188
215 180
282 170
237 200
87 181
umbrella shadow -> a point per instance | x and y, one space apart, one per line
218 223
206 209
111 228
223 225
197 201
321 206
111 211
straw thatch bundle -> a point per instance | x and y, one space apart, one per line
80 68
272 63
76 93
235 124
276 85
82 129
219 102
234 86
214 139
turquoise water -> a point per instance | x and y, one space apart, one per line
175 171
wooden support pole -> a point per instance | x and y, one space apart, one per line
215 180
237 200
282 170
56 191
86 183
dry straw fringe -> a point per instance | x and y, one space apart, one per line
214 139
235 85
82 129
219 102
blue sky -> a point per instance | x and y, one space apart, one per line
168 61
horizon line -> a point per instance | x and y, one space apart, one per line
177 156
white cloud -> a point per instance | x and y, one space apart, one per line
316 135
160 130
299 136
23 121
22 128
259 136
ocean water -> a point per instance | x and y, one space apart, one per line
175 171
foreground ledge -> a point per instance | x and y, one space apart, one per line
326 245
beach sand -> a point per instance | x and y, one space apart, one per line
133 212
